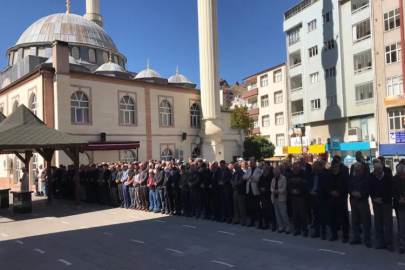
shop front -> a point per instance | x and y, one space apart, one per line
393 153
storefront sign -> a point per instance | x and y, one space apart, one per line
391 138
296 141
334 143
400 137
285 150
312 149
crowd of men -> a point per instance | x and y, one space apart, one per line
270 196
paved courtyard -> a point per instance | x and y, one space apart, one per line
96 237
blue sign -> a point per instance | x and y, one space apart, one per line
334 144
400 137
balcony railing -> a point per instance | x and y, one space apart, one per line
358 71
254 111
298 8
295 64
297 113
296 89
250 93
359 7
256 131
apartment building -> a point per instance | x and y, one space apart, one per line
389 51
267 101
331 72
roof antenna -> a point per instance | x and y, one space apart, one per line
67 6
177 70
148 66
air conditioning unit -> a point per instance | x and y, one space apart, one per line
180 154
319 140
354 134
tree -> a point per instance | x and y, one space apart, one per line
258 147
240 119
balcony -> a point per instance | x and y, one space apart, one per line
297 112
253 111
298 8
250 93
256 131
394 101
359 5
295 59
296 83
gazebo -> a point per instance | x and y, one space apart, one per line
22 132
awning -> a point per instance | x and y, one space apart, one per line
112 145
392 149
280 158
354 146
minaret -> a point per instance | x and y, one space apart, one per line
211 132
93 12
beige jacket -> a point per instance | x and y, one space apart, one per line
282 189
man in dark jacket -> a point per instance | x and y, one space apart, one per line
206 177
381 196
268 212
167 185
359 193
317 184
143 187
215 192
185 191
158 182
239 195
299 198
359 159
176 191
226 192
195 191
337 191
105 185
113 186
399 197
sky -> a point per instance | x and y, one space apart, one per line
251 37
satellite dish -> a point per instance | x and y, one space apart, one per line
197 140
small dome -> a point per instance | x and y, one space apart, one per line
110 67
71 60
148 73
177 78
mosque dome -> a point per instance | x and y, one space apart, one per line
178 78
148 73
110 67
67 27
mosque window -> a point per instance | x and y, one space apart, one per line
115 59
165 112
195 115
128 156
75 53
105 57
127 111
92 56
27 52
41 52
167 155
15 59
33 104
79 108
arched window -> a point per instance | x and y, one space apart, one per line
167 155
195 115
15 105
105 57
127 111
165 111
92 56
128 156
84 159
33 104
79 108
75 53
41 52
196 153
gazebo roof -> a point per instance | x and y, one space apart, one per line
23 130
2 117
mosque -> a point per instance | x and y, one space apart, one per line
68 71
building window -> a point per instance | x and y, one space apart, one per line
263 81
195 115
41 52
75 53
279 119
34 163
393 53
313 51
127 111
105 57
265 101
277 76
92 56
331 101
128 156
391 19
394 86
362 61
330 72
15 105
255 123
396 119
252 86
314 77
167 155
315 104
266 121
196 153
253 105
329 45
364 91
327 17
165 111
280 141
34 104
278 97
79 108
294 36
361 31
312 25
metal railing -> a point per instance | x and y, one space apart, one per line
297 113
298 8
